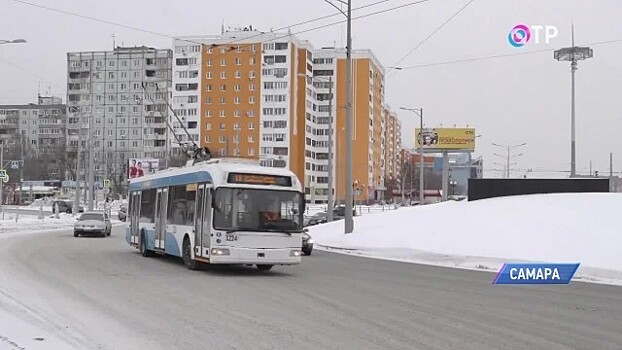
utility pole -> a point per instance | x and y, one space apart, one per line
330 150
349 221
611 165
419 113
76 199
91 164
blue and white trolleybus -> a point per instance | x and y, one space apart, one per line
218 211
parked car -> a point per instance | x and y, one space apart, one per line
318 218
123 213
93 222
307 242
65 207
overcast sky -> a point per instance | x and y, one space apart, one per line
509 100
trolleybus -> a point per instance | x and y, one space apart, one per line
218 211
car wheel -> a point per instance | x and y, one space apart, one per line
109 231
76 234
264 267
103 234
143 247
187 255
307 251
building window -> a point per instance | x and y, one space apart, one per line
208 62
222 101
251 151
221 139
207 139
236 100
238 74
237 87
208 113
251 99
251 138
208 126
209 88
222 113
252 61
238 62
251 87
208 75
236 113
251 74
222 126
223 75
251 125
223 62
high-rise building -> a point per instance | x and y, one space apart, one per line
392 145
265 96
121 96
367 121
37 132
245 94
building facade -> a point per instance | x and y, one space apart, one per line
265 96
245 95
368 137
36 132
117 102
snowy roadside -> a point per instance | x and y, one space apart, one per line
21 327
483 235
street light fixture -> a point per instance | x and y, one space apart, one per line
573 54
419 113
15 41
349 220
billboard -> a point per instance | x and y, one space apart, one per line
138 167
446 139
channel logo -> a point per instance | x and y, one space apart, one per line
522 34
519 35
531 273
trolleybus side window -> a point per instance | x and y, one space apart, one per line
147 206
181 205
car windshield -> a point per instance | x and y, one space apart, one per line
258 210
92 216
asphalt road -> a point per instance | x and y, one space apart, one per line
102 294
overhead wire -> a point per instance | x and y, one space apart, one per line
429 36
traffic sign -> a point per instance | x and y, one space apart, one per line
15 164
4 177
106 183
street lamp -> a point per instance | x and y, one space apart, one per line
419 113
509 149
15 41
573 54
349 221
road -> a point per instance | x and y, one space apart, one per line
102 294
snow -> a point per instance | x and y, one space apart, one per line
31 223
561 228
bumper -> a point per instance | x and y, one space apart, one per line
257 256
89 231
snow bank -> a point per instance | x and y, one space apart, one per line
483 234
31 223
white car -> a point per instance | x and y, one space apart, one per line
94 222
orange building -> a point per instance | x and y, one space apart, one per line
367 118
252 98
266 96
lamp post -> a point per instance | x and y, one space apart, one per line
14 41
508 156
573 54
419 113
349 220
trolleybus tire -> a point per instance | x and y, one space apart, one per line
143 247
264 267
187 255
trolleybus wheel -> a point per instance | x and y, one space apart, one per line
187 255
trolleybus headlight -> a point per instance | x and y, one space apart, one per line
294 253
220 251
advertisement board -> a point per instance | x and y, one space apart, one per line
445 139
138 167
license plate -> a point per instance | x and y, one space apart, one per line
230 237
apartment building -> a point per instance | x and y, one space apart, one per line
368 138
36 131
392 145
122 96
246 94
